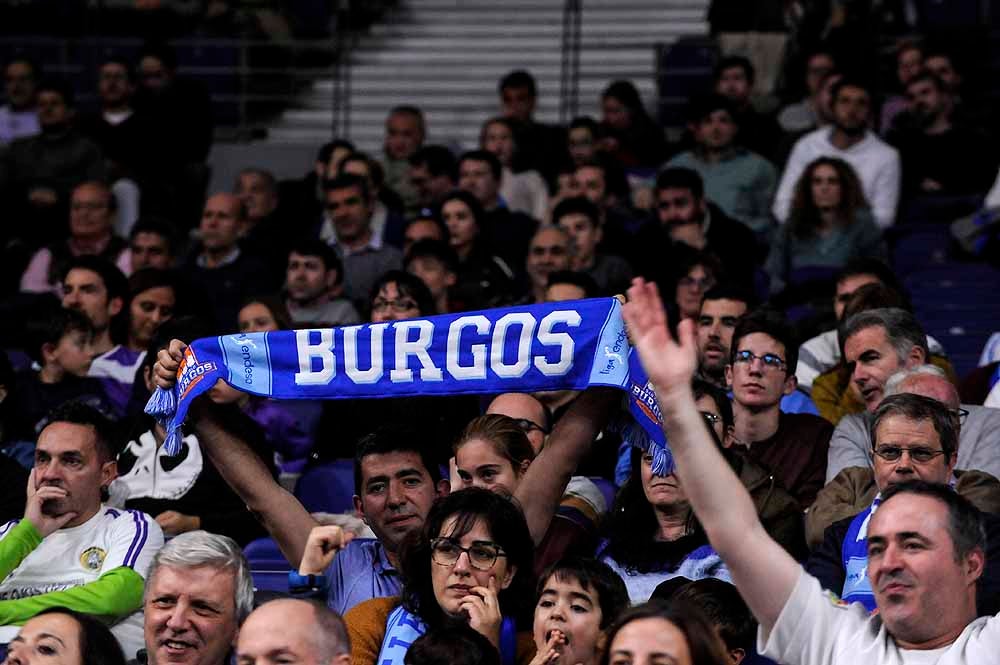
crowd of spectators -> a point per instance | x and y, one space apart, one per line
829 451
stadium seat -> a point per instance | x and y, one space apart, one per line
327 487
607 488
268 565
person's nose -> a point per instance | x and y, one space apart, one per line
178 621
462 564
395 496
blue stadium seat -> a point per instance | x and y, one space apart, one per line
268 565
327 487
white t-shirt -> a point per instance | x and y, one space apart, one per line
817 628
80 555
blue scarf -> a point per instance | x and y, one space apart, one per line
403 628
551 346
854 553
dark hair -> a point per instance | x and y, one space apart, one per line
410 110
626 93
848 81
918 408
58 86
346 181
438 250
508 529
395 438
732 61
703 388
581 280
438 159
121 62
36 69
428 215
678 177
496 168
707 260
731 291
591 574
876 267
902 330
965 522
50 326
327 150
503 433
79 413
151 278
577 205
615 179
703 643
306 246
274 304
375 172
584 122
455 644
114 281
161 51
804 219
158 226
773 324
97 645
498 120
702 106
269 180
518 78
873 296
475 207
408 285
926 75
721 604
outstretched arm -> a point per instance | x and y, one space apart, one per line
761 569
544 483
283 516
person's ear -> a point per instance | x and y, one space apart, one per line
729 374
359 508
450 279
331 279
791 383
443 487
598 233
48 349
147 378
109 471
737 655
342 659
508 577
523 467
115 306
916 357
975 563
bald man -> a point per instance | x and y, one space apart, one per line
293 631
224 273
979 439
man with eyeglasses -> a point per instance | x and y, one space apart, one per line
347 227
792 446
914 438
850 477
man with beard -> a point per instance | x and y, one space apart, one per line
71 550
848 138
940 156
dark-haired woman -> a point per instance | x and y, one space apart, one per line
631 137
484 279
471 564
829 225
59 636
664 633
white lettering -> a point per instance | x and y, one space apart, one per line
477 370
323 350
418 347
521 366
375 370
563 340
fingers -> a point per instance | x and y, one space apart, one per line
31 483
686 334
176 350
50 492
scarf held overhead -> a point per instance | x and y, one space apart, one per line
551 346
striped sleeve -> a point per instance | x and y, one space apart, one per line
135 538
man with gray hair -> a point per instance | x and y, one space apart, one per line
877 343
978 441
915 438
293 630
198 593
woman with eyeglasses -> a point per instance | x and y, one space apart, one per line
471 564
829 225
695 274
484 279
494 453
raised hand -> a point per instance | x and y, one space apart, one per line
168 360
174 523
39 508
483 608
552 651
323 544
670 364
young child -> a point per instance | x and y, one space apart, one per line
60 344
578 599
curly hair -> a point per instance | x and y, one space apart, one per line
805 216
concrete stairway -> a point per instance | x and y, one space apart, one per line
446 56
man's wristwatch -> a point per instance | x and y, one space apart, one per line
305 583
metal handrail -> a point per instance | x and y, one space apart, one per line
569 75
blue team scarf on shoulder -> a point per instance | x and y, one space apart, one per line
403 628
854 555
551 346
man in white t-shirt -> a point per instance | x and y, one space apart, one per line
925 543
71 550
